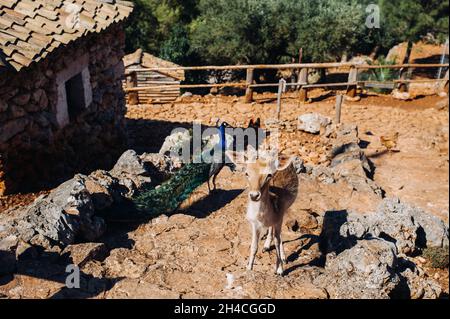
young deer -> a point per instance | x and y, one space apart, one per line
273 187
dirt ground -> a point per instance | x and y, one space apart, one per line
201 252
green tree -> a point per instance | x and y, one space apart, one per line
140 28
241 31
156 25
176 47
266 31
410 20
271 31
329 29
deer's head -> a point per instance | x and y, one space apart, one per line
259 167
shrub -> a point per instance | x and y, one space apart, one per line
438 256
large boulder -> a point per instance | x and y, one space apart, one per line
164 165
131 171
64 215
409 227
312 122
431 231
365 270
104 189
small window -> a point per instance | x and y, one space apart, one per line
74 90
76 101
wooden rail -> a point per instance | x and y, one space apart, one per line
351 84
253 67
330 65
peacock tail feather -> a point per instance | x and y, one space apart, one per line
170 194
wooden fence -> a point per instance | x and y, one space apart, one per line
302 84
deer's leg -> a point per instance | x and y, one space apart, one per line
209 187
268 241
214 181
283 254
278 247
254 246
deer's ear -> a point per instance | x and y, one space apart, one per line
284 161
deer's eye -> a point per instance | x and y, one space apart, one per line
246 174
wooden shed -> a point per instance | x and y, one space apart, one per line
163 79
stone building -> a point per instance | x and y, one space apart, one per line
62 104
160 81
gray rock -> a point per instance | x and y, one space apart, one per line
364 271
64 215
312 122
355 174
432 231
353 153
104 189
131 172
420 286
407 226
344 138
165 165
348 161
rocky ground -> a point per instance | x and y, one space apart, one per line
342 239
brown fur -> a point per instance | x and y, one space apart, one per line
273 188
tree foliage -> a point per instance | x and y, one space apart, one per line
272 31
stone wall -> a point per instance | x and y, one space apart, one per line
37 149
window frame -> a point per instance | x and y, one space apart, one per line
76 67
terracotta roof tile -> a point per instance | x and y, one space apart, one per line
8 3
30 29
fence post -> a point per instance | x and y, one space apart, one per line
302 79
445 86
281 89
339 99
249 90
133 97
405 74
352 77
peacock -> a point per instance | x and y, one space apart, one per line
169 195
219 160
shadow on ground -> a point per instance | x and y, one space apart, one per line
51 266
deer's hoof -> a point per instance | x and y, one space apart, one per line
266 249
280 272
